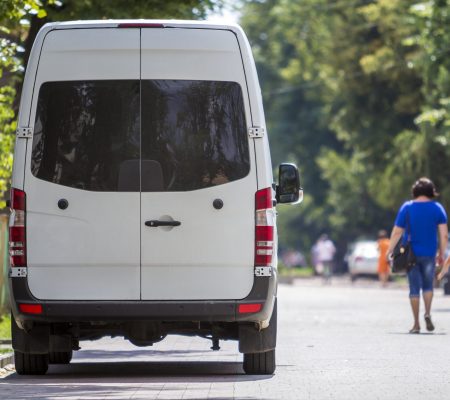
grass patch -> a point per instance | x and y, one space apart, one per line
399 279
304 272
5 351
5 327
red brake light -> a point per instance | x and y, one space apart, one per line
249 308
30 308
18 198
17 229
263 199
140 25
264 228
264 245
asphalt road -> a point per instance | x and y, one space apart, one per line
335 342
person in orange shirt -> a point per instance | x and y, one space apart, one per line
383 264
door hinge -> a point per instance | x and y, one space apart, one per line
256 132
263 271
24 132
18 272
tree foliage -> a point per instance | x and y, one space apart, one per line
10 66
358 93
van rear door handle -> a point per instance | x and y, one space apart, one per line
154 223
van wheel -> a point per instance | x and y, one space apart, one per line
260 363
30 364
60 357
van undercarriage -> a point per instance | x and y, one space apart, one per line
52 335
41 337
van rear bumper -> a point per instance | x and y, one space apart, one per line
263 292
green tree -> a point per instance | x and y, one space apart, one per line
357 92
433 19
10 69
290 47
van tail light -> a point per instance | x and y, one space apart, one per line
249 308
17 229
264 228
140 25
30 308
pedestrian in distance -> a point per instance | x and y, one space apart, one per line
324 250
426 221
383 263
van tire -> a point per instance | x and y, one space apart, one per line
30 364
260 363
60 357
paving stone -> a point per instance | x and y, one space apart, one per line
338 341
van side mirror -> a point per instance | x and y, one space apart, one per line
288 190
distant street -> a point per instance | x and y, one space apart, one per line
335 342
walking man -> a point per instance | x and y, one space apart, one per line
325 251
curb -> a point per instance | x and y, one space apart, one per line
6 359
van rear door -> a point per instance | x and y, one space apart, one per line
85 153
198 167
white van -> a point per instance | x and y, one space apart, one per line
142 194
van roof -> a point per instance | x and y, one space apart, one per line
114 23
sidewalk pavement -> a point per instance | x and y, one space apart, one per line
6 364
7 359
344 281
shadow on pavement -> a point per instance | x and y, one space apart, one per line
419 334
140 372
441 310
137 380
94 392
133 354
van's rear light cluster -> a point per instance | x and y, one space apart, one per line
17 229
249 308
264 228
30 308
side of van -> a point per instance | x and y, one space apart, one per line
142 194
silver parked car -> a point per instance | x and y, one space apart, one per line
363 259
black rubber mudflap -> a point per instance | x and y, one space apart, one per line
260 363
30 364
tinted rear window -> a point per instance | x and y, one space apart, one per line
160 135
195 131
85 132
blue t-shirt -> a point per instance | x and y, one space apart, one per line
424 218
